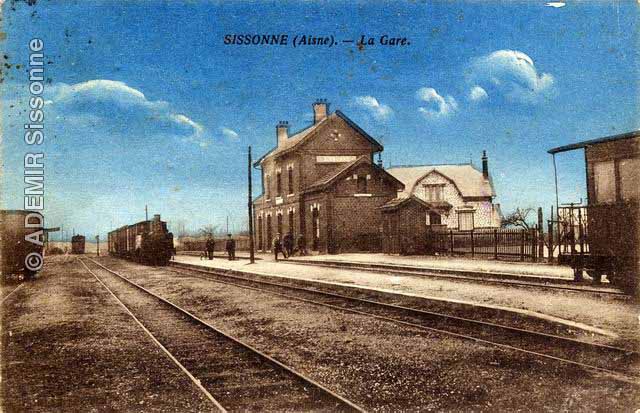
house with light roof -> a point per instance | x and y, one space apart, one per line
459 196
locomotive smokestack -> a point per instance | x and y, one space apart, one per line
282 132
320 110
156 217
485 165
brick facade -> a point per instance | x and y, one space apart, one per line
329 189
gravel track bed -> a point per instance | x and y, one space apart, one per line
383 366
67 346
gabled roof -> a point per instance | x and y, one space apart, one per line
400 202
328 180
469 181
583 144
301 136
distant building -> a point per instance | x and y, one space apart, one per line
322 182
458 196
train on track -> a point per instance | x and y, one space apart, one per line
602 238
77 244
147 242
21 242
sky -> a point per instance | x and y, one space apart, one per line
146 105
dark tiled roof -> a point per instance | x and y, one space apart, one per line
325 181
583 144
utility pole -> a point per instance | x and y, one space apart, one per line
98 247
250 209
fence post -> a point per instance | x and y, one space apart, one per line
522 245
473 250
534 244
451 241
550 238
540 234
495 243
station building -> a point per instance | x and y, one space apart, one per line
322 182
459 196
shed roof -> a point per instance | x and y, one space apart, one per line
402 202
583 144
469 181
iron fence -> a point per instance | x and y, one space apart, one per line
503 243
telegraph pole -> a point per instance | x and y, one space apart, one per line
98 247
250 209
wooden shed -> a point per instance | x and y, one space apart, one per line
404 226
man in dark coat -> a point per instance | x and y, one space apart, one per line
231 247
288 244
302 245
210 245
277 246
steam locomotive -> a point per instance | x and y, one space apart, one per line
146 242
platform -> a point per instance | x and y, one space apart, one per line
610 316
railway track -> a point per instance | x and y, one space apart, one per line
543 283
621 364
5 296
233 375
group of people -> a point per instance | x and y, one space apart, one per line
230 246
285 245
281 245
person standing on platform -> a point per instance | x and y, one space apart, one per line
302 245
277 246
210 247
288 244
231 247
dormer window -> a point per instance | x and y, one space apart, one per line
433 192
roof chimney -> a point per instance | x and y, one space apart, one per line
282 132
320 110
485 165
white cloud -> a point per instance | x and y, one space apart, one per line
229 133
477 94
438 106
510 74
556 4
125 109
379 111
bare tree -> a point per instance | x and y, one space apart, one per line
518 218
208 230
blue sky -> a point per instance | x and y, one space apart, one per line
146 105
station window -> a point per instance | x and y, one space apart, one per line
290 180
267 186
629 170
604 178
278 183
362 184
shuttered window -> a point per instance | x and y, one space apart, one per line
629 170
604 178
465 220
